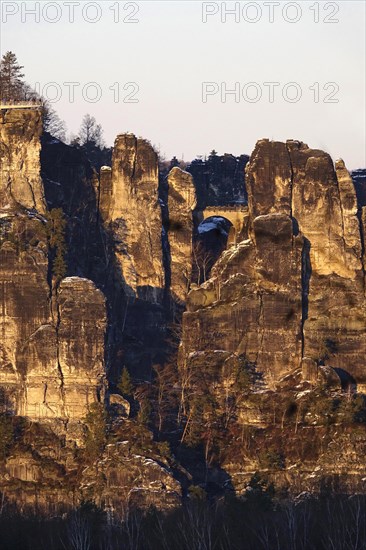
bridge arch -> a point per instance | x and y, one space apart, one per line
237 215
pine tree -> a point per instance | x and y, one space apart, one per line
143 416
96 435
12 86
125 385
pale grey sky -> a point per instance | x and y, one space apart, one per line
170 52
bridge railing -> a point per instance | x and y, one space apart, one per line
19 104
229 208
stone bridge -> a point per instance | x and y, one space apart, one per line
237 215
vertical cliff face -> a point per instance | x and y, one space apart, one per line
269 179
20 181
181 203
294 292
51 348
251 306
52 341
325 207
132 213
25 305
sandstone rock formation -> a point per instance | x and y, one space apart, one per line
80 332
181 203
295 289
139 480
20 181
282 313
51 366
132 212
252 303
325 208
52 342
25 303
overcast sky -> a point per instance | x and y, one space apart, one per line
170 52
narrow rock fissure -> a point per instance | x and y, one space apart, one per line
291 178
260 325
362 239
59 368
32 193
305 288
342 213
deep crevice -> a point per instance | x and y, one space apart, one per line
306 271
59 368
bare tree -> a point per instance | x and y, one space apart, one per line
90 133
78 532
203 259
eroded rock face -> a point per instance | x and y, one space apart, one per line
80 332
295 289
252 304
324 205
20 181
181 203
52 341
25 311
269 179
133 215
51 366
135 478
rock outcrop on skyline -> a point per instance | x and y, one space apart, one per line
295 289
132 214
20 180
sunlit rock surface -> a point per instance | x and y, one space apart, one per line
131 211
181 203
20 181
296 288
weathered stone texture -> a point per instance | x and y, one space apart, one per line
296 288
133 215
52 342
80 332
252 304
269 179
50 367
325 208
181 203
20 181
